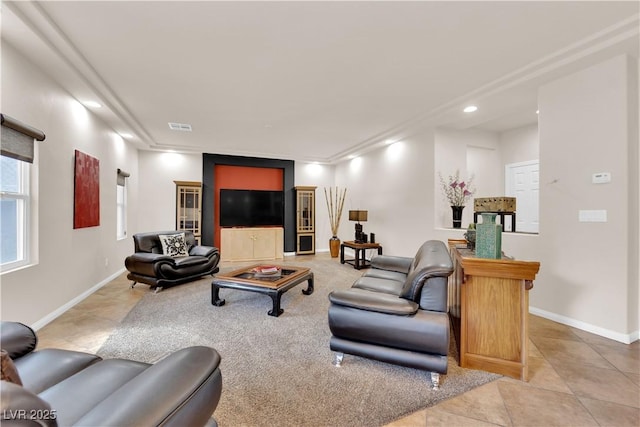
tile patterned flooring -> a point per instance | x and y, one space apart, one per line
576 378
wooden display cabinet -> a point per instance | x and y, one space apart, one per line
305 220
489 310
189 207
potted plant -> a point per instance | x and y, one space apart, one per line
335 203
457 192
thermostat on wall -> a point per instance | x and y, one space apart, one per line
601 178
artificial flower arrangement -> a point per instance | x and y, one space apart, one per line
455 190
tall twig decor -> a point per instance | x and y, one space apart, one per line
335 203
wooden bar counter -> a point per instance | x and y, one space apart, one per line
489 307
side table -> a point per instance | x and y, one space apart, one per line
359 261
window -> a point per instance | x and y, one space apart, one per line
121 204
14 213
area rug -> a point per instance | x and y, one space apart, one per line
278 370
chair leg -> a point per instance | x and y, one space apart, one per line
435 380
337 359
157 289
133 284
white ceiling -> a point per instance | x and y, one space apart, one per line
312 81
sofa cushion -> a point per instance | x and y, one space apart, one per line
173 244
378 284
386 274
373 301
188 261
35 368
83 391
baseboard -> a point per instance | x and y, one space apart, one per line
617 336
61 310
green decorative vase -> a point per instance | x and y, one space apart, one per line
488 237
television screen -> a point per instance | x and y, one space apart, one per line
250 208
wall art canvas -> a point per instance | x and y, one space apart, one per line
86 208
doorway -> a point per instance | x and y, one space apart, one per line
522 181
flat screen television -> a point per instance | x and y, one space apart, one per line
251 208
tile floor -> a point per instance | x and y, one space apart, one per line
576 378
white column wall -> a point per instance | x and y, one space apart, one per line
583 123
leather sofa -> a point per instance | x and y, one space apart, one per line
151 266
71 388
396 312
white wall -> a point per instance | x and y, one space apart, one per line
71 263
519 145
158 171
476 154
395 184
321 176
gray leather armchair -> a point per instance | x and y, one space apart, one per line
151 266
397 312
70 388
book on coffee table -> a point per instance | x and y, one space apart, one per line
267 271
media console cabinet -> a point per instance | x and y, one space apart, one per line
252 243
489 310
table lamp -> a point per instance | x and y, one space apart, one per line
359 216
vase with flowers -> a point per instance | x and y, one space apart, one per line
457 192
335 203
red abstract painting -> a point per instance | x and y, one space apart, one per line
86 208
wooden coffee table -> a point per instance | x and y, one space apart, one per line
246 279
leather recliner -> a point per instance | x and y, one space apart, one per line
149 265
396 312
71 388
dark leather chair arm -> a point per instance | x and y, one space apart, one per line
17 339
147 257
434 262
170 392
392 263
373 301
205 251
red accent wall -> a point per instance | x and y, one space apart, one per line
242 178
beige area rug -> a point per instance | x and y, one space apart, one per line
278 370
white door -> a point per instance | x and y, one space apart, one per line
522 181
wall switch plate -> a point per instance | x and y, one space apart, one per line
592 216
601 178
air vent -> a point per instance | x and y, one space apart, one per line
183 127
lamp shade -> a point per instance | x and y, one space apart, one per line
358 216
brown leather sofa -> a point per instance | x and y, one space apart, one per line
151 266
396 312
71 388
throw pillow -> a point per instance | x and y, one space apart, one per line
173 244
8 369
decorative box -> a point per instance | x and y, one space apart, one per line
494 204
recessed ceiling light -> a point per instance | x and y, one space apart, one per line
470 109
537 111
91 104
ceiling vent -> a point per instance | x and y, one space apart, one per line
183 127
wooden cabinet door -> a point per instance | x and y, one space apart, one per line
264 243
